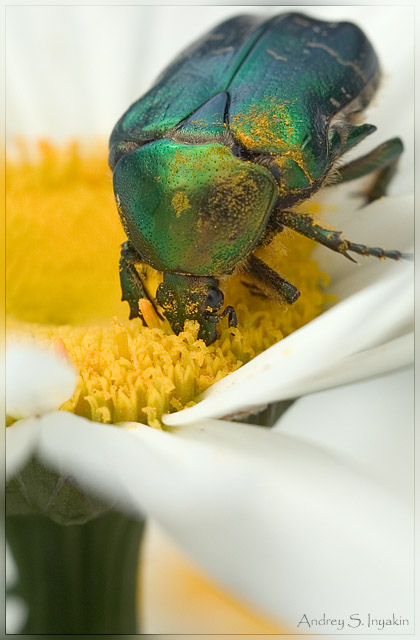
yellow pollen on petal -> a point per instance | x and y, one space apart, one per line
63 237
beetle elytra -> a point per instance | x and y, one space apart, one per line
207 166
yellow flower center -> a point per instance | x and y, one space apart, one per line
63 239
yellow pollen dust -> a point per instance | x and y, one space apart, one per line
180 203
63 237
255 127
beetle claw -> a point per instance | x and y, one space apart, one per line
232 319
348 256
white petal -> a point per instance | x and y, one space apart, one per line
16 614
65 437
280 522
36 380
391 355
11 569
21 442
370 424
365 320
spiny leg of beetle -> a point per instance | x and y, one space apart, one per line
383 159
254 290
231 314
131 285
304 225
282 289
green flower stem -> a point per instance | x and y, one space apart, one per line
77 579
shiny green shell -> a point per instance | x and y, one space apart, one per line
242 121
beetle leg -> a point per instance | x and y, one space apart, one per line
254 289
231 313
383 159
304 225
131 285
282 289
216 317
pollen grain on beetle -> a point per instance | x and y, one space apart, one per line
180 203
63 237
263 127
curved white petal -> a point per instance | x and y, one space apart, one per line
391 355
369 423
21 442
16 614
363 321
281 522
36 380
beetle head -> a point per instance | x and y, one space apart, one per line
186 297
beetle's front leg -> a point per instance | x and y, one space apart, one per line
131 284
304 225
231 314
383 159
282 289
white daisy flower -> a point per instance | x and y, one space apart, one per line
306 521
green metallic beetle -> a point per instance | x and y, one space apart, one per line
243 125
